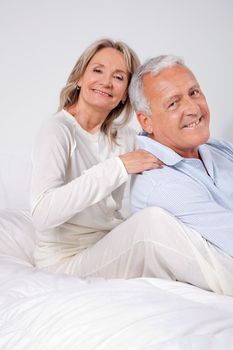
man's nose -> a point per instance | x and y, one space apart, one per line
191 106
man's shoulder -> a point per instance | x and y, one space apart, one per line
220 146
164 153
159 178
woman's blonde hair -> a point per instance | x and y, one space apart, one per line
70 93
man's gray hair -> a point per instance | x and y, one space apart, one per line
153 66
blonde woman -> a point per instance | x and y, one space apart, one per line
82 160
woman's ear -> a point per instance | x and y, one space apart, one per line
79 83
145 122
124 98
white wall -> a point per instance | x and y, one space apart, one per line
40 41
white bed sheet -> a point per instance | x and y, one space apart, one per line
42 311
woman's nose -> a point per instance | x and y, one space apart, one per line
107 80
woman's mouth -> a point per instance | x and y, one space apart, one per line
103 93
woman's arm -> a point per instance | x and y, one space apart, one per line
53 200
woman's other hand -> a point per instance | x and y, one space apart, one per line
140 160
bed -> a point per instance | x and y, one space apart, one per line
39 310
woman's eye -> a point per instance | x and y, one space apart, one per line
97 70
118 77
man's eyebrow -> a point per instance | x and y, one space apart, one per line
172 97
195 86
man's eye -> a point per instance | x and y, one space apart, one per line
172 105
195 92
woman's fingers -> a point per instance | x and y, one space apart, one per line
140 160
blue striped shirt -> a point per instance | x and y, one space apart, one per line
200 195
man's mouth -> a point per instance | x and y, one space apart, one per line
102 92
193 124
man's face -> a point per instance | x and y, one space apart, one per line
180 114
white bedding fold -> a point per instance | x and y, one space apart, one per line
40 311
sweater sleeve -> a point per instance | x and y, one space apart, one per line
53 199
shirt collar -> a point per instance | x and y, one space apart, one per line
164 153
170 157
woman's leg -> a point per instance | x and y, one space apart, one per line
153 243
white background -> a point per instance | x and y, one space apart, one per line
40 41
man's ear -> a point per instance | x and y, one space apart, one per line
145 122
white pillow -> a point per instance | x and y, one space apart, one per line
17 234
15 175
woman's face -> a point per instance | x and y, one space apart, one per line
105 81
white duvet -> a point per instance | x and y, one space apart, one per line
42 311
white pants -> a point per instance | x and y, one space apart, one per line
152 243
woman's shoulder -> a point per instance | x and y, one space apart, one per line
59 121
58 128
126 131
126 136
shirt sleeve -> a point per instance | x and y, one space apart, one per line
53 199
191 203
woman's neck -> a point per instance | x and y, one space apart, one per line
88 118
